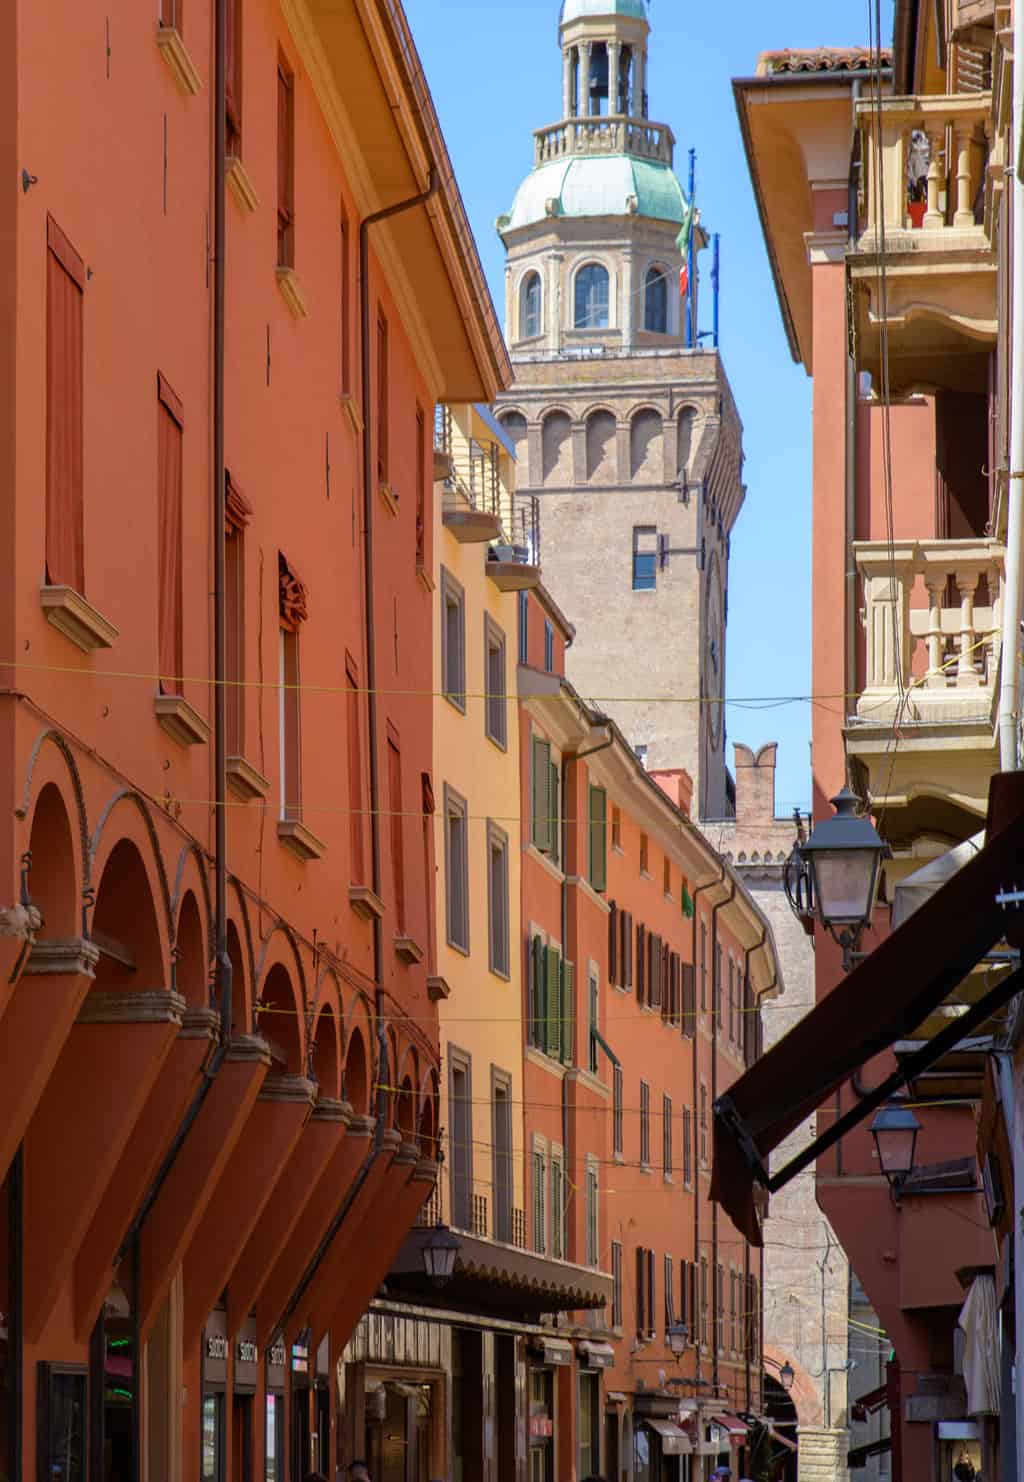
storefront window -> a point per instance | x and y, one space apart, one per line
643 1459
589 1433
274 1436
63 1399
542 1426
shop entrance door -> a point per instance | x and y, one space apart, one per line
241 1438
398 1448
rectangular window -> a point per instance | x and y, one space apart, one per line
65 391
524 627
397 810
233 90
421 489
593 1244
285 165
457 869
234 602
171 13
705 1330
641 964
616 828
613 944
645 1123
540 1243
666 876
589 1424
666 1136
641 1289
502 1161
545 822
538 1015
703 1126
495 686
345 268
687 1146
626 955
597 853
644 850
645 558
497 901
733 1335
703 967
719 1308
460 1089
732 999
670 1296
383 400
557 1207
290 728
689 1000
617 1088
453 641
593 1008
170 596
353 722
616 1284
719 964
549 647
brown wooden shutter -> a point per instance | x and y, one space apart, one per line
353 719
641 963
65 394
397 823
383 407
285 165
651 1290
627 950
233 89
169 539
641 1289
613 944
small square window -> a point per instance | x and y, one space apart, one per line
645 558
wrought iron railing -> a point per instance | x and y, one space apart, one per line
470 1210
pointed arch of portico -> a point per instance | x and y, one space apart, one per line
126 820
243 959
429 1113
191 874
326 1047
804 1393
407 1111
52 762
280 947
192 946
357 1077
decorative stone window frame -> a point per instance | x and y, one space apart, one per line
583 260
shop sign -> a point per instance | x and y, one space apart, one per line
275 1358
542 1427
217 1348
247 1352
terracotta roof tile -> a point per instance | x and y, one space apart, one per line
819 59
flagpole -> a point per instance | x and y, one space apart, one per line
691 328
716 281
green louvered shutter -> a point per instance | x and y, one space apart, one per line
568 1012
553 1003
598 838
537 1028
542 810
554 812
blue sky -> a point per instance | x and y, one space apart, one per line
495 70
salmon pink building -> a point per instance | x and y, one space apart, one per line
237 277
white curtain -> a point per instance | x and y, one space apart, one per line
981 1347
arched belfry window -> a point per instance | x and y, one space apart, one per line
592 297
529 307
656 301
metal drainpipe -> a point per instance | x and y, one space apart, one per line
849 622
698 890
371 686
718 1316
15 1304
1009 757
745 1325
223 961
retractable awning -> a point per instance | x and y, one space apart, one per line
885 998
735 1427
674 1440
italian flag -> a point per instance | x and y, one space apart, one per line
683 243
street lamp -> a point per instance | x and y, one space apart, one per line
895 1130
439 1255
835 875
678 1336
787 1375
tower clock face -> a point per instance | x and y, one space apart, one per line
714 655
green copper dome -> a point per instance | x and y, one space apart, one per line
574 10
603 185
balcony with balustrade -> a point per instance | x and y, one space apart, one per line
495 1272
923 730
604 135
475 467
923 265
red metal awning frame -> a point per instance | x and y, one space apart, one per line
886 997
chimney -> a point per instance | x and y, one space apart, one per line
755 783
677 784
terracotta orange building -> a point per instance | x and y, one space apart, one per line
233 291
645 962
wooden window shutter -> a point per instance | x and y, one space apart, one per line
598 838
553 809
641 963
285 165
641 1290
65 394
651 1292
613 945
170 599
654 970
353 721
397 824
538 995
541 800
383 400
568 1006
689 1000
553 1002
